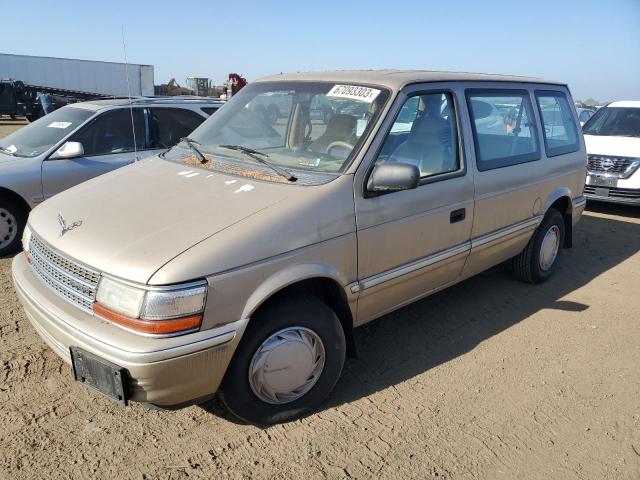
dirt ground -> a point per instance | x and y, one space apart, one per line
490 379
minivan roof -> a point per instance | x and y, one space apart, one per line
396 79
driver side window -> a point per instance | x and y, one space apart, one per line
424 134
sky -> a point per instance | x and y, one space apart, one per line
593 45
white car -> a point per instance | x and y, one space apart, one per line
584 114
489 120
612 137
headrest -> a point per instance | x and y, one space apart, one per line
341 124
425 127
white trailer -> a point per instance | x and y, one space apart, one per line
103 78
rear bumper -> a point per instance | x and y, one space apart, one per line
578 206
169 374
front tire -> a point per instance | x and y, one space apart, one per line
537 262
288 361
13 219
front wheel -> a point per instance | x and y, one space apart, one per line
288 361
12 222
537 262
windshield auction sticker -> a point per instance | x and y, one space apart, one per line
62 125
354 92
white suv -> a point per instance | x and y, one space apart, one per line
612 137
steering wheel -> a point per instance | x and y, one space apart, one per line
339 144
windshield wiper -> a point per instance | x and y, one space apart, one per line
192 145
260 157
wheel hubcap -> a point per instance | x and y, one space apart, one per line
549 248
287 365
8 228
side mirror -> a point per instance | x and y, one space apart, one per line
393 176
69 150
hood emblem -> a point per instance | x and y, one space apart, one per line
607 164
64 228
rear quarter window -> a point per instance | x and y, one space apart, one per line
504 127
558 125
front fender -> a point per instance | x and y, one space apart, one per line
23 178
236 294
286 277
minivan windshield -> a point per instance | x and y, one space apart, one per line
44 133
311 126
615 122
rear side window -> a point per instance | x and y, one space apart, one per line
112 132
559 129
504 128
209 110
169 125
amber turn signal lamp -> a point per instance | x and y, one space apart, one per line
152 327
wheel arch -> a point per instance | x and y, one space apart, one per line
8 194
560 200
319 280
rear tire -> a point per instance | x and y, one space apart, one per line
537 262
295 335
13 219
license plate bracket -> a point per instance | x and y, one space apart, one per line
99 374
602 180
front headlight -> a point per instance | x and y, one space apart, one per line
120 298
151 310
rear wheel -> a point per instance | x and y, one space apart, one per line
12 222
537 262
288 361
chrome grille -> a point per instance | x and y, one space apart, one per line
69 279
619 166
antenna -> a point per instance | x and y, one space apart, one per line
126 71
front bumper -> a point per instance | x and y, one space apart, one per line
173 371
625 196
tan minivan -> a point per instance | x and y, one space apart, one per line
241 260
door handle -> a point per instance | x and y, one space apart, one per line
457 215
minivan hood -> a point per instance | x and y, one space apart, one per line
137 218
614 146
